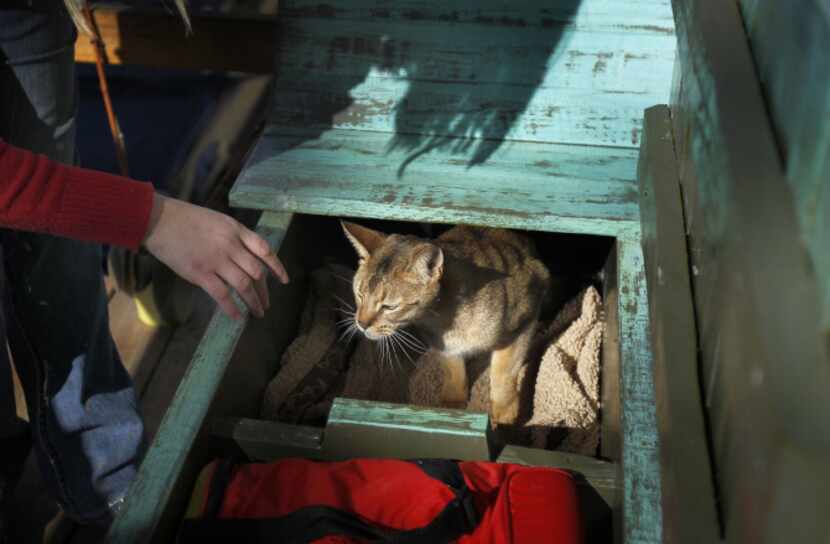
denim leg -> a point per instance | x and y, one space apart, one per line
87 428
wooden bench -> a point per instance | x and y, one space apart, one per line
517 115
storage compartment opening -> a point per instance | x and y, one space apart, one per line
318 254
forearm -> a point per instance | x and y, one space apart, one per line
40 195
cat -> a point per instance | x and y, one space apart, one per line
470 291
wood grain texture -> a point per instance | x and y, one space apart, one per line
642 509
540 82
147 499
631 16
789 43
384 109
685 468
264 441
765 368
374 429
529 186
611 437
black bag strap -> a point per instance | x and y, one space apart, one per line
307 524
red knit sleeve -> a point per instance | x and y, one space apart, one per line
40 195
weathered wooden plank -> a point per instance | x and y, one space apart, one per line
789 44
611 438
765 361
642 509
263 441
686 471
526 186
554 83
633 16
374 429
146 501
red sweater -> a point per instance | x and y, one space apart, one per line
40 195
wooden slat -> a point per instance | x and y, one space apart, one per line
158 40
789 43
766 366
263 441
552 83
375 429
528 186
686 471
611 438
633 16
642 511
146 501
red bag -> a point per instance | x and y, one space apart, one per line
383 500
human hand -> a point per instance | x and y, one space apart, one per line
213 251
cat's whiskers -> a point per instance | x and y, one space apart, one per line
413 339
384 352
343 278
395 339
408 342
347 333
344 302
391 339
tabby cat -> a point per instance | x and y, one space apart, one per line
470 291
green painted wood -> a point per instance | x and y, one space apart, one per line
642 510
528 186
262 441
633 16
611 437
147 498
542 82
789 43
766 371
686 470
373 429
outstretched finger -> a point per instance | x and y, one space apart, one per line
219 292
244 284
254 268
259 247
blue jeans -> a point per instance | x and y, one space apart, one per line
87 431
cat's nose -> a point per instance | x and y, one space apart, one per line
362 324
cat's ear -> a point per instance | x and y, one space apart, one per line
365 241
428 263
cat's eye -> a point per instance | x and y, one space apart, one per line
389 307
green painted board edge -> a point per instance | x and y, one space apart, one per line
263 440
641 511
686 469
602 475
149 493
358 428
326 175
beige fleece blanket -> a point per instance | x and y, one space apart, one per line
562 385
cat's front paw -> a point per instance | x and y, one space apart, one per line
506 413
